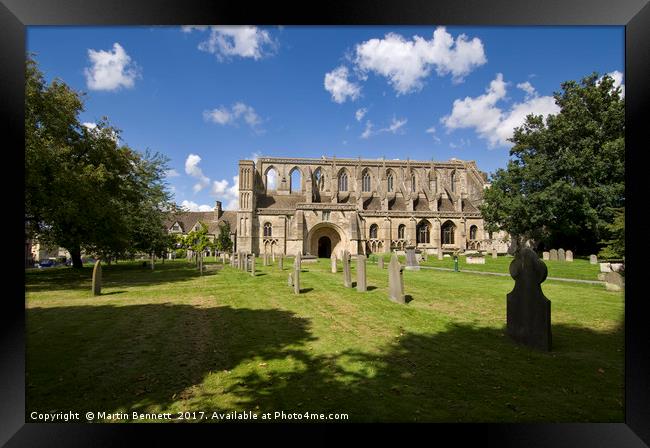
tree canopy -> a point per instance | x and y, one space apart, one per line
84 190
565 177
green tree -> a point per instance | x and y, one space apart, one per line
223 241
83 189
614 244
565 175
198 241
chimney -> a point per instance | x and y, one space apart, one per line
217 210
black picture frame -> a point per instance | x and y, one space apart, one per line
15 15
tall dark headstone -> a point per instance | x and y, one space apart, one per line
361 273
395 281
347 278
528 310
97 278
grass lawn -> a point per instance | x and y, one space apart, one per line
579 269
170 340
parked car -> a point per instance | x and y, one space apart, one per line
46 263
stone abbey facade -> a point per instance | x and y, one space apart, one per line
327 205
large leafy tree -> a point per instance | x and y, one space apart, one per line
223 242
83 189
565 176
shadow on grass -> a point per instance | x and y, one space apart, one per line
131 357
113 276
148 357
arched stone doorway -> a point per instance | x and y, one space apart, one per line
317 237
324 247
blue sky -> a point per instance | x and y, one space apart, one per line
208 97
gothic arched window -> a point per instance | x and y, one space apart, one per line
472 232
423 233
343 182
268 229
373 231
400 231
390 183
447 230
365 182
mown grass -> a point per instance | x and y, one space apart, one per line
170 340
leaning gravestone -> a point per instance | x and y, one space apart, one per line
569 255
561 256
593 259
411 261
361 273
546 255
296 274
97 278
528 310
347 279
380 262
614 281
253 266
395 281
553 255
333 264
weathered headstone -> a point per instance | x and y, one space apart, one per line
281 262
552 255
290 279
232 260
347 279
273 256
361 273
266 259
528 310
440 254
97 278
494 252
569 255
297 262
605 267
424 255
380 262
296 274
395 281
561 256
545 255
333 261
614 281
593 259
253 265
411 261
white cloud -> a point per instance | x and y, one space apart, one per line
190 28
337 84
110 70
192 168
171 173
407 62
243 41
528 88
368 131
194 207
89 125
228 194
256 155
223 116
360 113
492 122
394 128
432 131
618 81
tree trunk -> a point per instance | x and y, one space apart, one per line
75 253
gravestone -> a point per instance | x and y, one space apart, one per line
266 259
281 262
232 260
380 262
593 259
440 255
545 255
569 255
333 267
561 256
411 261
614 281
297 261
605 267
347 279
361 273
290 279
296 274
395 281
494 252
253 266
552 255
273 256
528 310
424 255
97 278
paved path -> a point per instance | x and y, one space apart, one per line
501 274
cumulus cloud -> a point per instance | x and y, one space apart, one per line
229 41
192 168
432 131
337 84
368 130
492 122
227 193
360 113
618 81
194 207
238 112
407 62
171 173
394 127
110 70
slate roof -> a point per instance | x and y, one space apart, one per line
187 220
